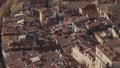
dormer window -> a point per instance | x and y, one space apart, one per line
22 37
20 21
10 42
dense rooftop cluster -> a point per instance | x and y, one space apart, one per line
41 34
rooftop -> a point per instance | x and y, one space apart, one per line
36 36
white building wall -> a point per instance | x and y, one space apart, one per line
82 58
88 60
101 59
77 54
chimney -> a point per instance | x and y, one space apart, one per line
56 41
114 34
4 19
99 39
40 18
